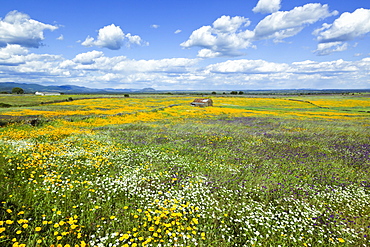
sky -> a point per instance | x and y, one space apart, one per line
187 44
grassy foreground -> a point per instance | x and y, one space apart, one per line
157 172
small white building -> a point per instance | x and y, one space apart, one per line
46 93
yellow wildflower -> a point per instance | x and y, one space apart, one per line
195 220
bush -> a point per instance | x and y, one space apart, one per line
5 105
17 90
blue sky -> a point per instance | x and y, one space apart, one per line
187 44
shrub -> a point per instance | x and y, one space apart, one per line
17 90
5 105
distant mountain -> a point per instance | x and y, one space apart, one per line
67 89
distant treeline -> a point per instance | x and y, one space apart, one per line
268 92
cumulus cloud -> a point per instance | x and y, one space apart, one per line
284 24
267 6
94 69
225 37
164 65
178 31
207 53
155 26
19 28
17 64
88 57
328 48
13 50
247 66
347 27
112 37
12 55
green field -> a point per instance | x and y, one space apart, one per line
153 171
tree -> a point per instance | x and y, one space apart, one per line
241 92
233 92
17 90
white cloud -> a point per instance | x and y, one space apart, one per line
324 68
17 56
224 38
267 6
284 24
13 50
12 55
247 66
227 24
178 31
207 53
155 26
228 35
328 48
112 37
264 74
94 69
135 39
347 27
61 37
201 37
88 57
163 65
19 28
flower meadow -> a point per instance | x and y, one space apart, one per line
154 171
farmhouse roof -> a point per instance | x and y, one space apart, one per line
202 102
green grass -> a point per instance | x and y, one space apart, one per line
221 181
